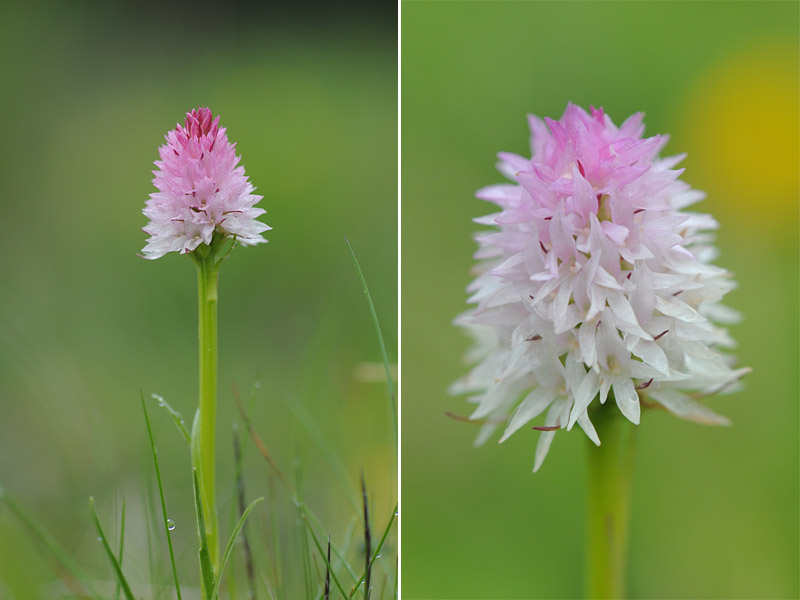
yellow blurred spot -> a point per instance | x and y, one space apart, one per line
370 372
743 134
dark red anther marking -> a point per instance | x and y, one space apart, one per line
660 335
644 385
580 169
638 210
542 246
629 275
534 337
554 428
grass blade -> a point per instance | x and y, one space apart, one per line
267 585
161 495
328 571
147 501
240 499
275 552
392 398
396 575
298 476
304 418
126 589
177 417
229 548
296 498
377 550
206 568
315 434
322 554
121 543
49 542
367 540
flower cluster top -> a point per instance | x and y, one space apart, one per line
202 190
595 283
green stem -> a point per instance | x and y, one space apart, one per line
610 474
204 427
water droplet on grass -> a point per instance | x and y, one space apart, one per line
170 524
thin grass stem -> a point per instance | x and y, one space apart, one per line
298 476
167 530
390 386
231 541
268 587
377 550
121 543
240 498
367 540
295 497
177 418
49 542
327 593
126 589
322 554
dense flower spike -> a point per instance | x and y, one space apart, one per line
597 283
201 190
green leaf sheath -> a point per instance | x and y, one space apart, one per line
206 568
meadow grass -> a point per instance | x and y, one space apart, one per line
261 563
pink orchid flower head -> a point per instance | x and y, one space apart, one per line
202 191
595 283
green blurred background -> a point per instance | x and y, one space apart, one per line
715 511
310 97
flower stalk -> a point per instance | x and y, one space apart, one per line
610 476
204 427
204 206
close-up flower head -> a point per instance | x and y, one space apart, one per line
595 284
202 190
